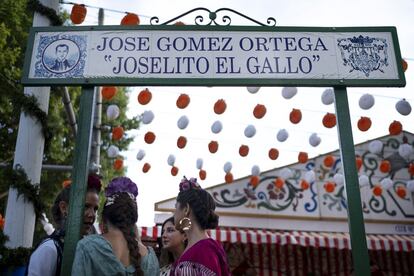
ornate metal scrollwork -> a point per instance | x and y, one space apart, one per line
212 18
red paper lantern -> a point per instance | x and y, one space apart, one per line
183 101
254 180
181 142
302 157
202 174
404 65
144 97
295 116
279 182
259 111
329 187
273 154
130 19
395 128
78 13
108 92
401 192
213 146
364 123
304 185
411 169
2 222
329 161
118 164
329 120
358 162
174 171
220 106
66 183
244 150
377 190
117 133
385 166
146 168
149 137
228 178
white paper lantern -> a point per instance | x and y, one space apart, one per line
147 117
140 155
405 150
375 147
182 123
289 92
363 180
112 112
199 163
171 160
286 173
227 167
282 135
338 178
327 96
403 107
314 140
253 89
255 170
216 127
366 101
309 176
250 131
410 185
386 183
113 151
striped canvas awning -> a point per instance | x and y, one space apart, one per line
386 242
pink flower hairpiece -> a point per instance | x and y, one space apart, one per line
188 184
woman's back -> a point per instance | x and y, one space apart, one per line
95 256
119 246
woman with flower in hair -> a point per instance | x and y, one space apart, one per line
117 251
194 214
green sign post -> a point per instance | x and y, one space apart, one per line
215 55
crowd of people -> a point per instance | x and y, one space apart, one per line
117 250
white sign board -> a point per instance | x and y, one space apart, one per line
187 55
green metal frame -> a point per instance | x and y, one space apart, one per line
79 178
400 82
356 226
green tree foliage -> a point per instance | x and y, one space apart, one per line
15 22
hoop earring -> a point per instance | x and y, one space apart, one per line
185 224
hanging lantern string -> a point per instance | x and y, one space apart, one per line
105 9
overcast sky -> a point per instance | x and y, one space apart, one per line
158 184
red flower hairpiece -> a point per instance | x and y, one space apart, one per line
188 184
94 182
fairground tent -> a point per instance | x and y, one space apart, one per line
295 218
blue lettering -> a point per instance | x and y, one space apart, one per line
134 65
249 43
305 61
205 64
115 40
255 67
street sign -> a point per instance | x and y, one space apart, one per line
214 55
